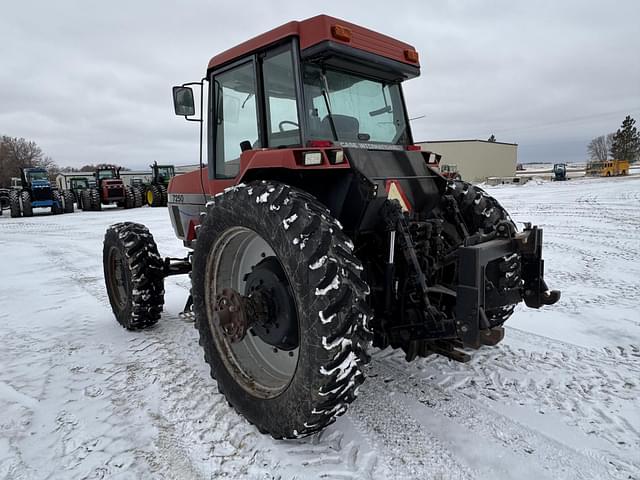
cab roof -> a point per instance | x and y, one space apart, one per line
319 29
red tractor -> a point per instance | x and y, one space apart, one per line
109 189
316 227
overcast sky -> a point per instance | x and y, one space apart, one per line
90 81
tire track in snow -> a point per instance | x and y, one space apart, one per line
591 390
491 428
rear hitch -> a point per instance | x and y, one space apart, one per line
536 293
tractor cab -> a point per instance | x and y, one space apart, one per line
106 174
303 93
79 183
162 173
34 175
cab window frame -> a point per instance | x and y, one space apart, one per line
212 130
291 46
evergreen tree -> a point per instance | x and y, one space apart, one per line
626 141
492 138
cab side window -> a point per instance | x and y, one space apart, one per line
235 116
283 126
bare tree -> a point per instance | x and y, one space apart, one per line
17 153
598 148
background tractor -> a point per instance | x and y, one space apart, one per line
450 172
560 172
36 191
77 185
156 193
109 189
317 227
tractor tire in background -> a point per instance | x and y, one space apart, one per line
134 275
310 362
84 202
94 202
137 197
27 209
57 207
14 204
163 193
154 196
68 199
482 213
129 199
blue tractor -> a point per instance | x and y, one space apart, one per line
36 191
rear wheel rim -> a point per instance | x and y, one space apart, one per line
259 368
116 276
149 197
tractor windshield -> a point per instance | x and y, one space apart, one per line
37 175
79 183
106 174
351 108
165 173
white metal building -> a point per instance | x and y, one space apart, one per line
477 160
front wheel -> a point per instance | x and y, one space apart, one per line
67 196
289 356
14 204
134 275
57 207
27 208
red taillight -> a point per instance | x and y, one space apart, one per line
320 143
413 147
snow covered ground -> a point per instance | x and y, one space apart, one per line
80 397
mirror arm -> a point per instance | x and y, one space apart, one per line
200 84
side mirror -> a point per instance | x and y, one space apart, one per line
183 101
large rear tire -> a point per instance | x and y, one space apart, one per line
154 196
95 201
57 207
163 194
14 204
27 208
137 197
68 201
133 273
295 390
129 199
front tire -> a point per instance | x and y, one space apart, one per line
57 207
14 203
68 201
133 273
129 200
298 390
94 202
154 196
27 208
137 197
